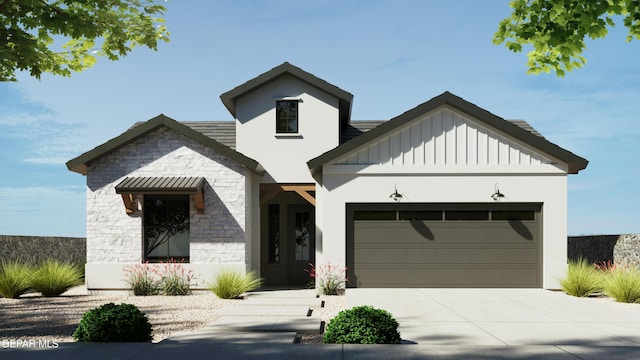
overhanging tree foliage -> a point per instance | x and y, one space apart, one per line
32 30
557 29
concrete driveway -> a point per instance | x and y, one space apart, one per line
497 317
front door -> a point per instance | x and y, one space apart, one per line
301 243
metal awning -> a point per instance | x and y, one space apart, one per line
161 185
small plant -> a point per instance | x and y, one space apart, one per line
15 279
328 278
607 266
141 279
230 284
175 279
114 323
583 279
362 325
623 285
53 277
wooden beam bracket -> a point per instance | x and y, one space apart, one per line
128 203
272 190
199 200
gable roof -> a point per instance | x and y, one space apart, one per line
80 163
518 130
345 98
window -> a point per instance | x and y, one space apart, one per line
303 233
466 215
287 117
420 215
166 227
374 215
274 233
512 215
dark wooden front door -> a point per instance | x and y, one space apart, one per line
301 244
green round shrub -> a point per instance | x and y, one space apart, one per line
362 325
114 323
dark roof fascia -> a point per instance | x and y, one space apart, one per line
575 162
229 98
80 163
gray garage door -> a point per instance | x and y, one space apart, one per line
444 245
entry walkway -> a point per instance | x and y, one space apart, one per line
265 316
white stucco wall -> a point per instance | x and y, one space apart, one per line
284 156
445 157
217 237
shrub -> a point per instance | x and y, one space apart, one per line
623 285
114 323
53 277
175 279
230 284
362 325
15 279
141 280
328 278
583 279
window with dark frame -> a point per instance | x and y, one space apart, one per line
512 215
466 215
420 215
274 233
166 228
377 215
287 117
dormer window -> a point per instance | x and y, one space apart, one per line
287 117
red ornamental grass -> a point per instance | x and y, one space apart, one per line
328 278
608 266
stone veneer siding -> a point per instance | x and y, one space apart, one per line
627 250
217 236
34 249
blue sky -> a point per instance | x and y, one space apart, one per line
392 55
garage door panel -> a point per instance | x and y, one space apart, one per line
445 277
435 255
448 253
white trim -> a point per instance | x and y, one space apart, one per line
543 169
287 98
288 135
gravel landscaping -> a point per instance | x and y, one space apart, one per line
33 317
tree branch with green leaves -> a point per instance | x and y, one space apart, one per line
32 32
557 29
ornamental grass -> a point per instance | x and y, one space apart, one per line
230 284
583 279
15 278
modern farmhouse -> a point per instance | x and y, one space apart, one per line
446 194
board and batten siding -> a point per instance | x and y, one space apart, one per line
445 157
444 137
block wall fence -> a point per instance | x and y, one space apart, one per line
34 249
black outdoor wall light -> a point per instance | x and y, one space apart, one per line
396 196
497 195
